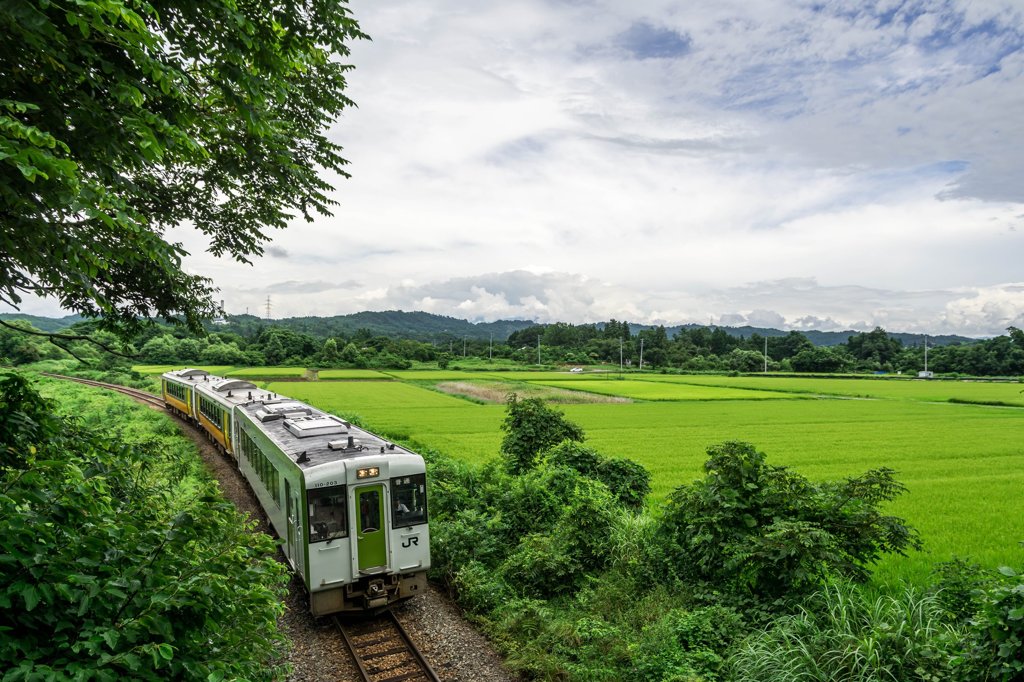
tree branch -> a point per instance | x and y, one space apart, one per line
67 337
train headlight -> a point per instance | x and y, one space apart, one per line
368 472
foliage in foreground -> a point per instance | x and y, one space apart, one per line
119 562
120 119
552 549
844 634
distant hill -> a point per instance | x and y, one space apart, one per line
45 324
392 323
438 328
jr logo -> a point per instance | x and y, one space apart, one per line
410 541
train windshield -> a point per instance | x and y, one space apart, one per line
408 500
327 513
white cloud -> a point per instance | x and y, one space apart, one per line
649 160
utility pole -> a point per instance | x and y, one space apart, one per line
463 346
490 346
641 353
620 355
766 355
538 349
926 353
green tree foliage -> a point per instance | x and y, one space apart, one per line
627 480
530 427
763 530
874 350
117 565
821 359
991 605
17 348
120 120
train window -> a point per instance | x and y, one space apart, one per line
408 500
369 511
327 513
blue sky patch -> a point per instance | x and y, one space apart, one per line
645 41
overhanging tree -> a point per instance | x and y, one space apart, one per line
120 120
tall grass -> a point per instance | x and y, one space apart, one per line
845 633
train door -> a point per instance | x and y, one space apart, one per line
294 528
370 533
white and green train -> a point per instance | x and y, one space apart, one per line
350 507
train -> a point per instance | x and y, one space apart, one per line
349 506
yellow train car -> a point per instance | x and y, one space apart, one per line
215 402
178 389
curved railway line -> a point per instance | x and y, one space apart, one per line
138 394
381 648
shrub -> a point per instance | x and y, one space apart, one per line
996 645
114 568
753 528
479 588
628 481
530 427
686 645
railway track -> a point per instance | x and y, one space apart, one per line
383 650
136 393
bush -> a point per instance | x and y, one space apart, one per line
530 427
628 481
761 530
686 645
996 646
114 568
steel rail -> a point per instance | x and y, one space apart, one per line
399 658
138 394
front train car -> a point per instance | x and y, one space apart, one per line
350 507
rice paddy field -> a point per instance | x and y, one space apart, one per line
156 370
962 463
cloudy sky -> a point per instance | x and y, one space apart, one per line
822 164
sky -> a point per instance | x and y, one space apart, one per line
799 165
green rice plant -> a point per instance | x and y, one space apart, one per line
219 370
351 374
892 388
266 372
845 633
650 390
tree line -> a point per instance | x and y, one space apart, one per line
695 349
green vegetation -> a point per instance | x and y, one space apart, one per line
531 427
156 370
666 391
932 390
745 574
120 558
494 391
352 374
266 372
120 120
949 456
